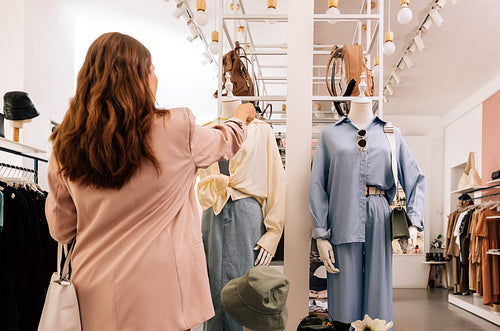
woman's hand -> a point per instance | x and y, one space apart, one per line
245 112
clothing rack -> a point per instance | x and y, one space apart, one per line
17 168
16 148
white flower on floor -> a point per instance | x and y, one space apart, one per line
367 324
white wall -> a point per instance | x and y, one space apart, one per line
44 43
424 136
432 128
462 136
182 79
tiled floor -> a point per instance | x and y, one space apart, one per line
418 310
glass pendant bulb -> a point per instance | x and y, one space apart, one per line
332 10
271 10
214 45
389 46
405 14
201 17
376 66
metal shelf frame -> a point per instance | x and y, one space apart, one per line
374 38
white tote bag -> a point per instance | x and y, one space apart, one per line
61 311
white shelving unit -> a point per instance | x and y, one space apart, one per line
18 147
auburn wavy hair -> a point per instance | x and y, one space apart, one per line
104 136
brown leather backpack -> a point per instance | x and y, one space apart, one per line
347 62
236 63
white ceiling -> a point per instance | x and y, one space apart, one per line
460 56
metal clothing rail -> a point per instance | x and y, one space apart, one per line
486 196
18 168
34 158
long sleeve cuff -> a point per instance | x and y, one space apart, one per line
417 222
269 241
321 233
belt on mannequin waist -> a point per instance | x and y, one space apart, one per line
373 190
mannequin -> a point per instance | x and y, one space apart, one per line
361 115
350 192
243 208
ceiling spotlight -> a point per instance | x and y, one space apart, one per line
181 9
418 41
405 14
412 48
441 3
427 24
201 16
436 17
193 31
396 78
389 46
389 89
214 45
206 58
332 10
407 60
271 10
454 1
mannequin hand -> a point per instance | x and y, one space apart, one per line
408 244
325 251
264 257
245 112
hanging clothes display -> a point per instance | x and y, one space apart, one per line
471 232
27 257
357 224
244 206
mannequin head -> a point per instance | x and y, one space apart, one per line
229 106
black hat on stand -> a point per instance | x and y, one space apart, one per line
17 106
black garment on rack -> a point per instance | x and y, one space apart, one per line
27 259
464 252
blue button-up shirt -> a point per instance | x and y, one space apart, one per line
341 172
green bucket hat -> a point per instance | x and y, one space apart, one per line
257 300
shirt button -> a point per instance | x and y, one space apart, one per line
363 175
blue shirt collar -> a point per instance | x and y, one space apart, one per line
347 120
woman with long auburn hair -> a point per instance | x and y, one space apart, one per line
121 180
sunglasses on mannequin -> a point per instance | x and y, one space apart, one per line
362 140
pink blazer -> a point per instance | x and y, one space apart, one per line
139 262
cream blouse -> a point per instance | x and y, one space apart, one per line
255 171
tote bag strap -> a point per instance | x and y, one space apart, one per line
389 133
65 273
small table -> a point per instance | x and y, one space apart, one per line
436 264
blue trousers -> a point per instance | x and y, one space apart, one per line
364 283
229 239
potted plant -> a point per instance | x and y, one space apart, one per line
437 247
